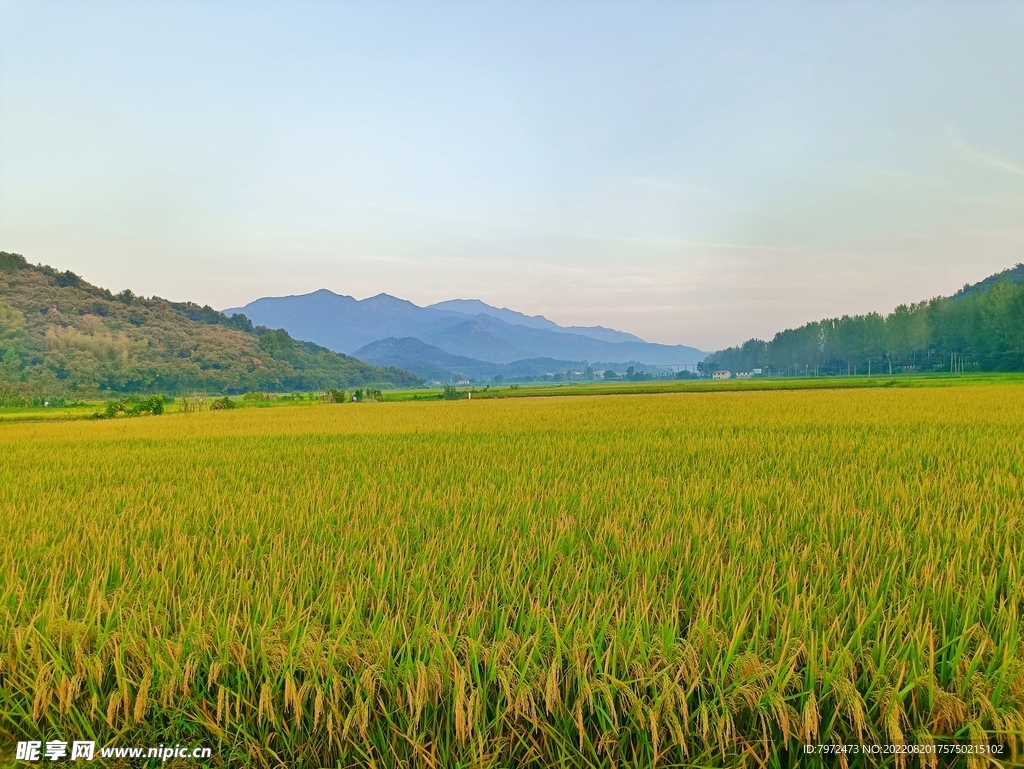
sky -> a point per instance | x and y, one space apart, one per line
694 173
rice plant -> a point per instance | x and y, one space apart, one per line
659 580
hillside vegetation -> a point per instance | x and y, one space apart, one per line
62 335
980 328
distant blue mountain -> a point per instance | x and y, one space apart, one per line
434 364
476 307
460 327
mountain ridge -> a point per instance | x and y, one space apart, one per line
496 335
512 317
433 363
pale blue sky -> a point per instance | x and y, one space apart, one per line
690 172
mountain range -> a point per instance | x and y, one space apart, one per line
456 336
434 364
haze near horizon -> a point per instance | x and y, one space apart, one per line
691 173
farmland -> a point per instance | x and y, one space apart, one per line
712 578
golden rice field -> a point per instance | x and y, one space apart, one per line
629 581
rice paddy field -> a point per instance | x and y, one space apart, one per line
709 579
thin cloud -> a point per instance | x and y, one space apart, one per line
987 157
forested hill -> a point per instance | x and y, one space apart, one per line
61 335
1012 275
980 328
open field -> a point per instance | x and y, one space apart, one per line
707 385
86 409
710 579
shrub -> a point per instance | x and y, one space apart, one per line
133 407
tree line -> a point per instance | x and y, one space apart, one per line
981 328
